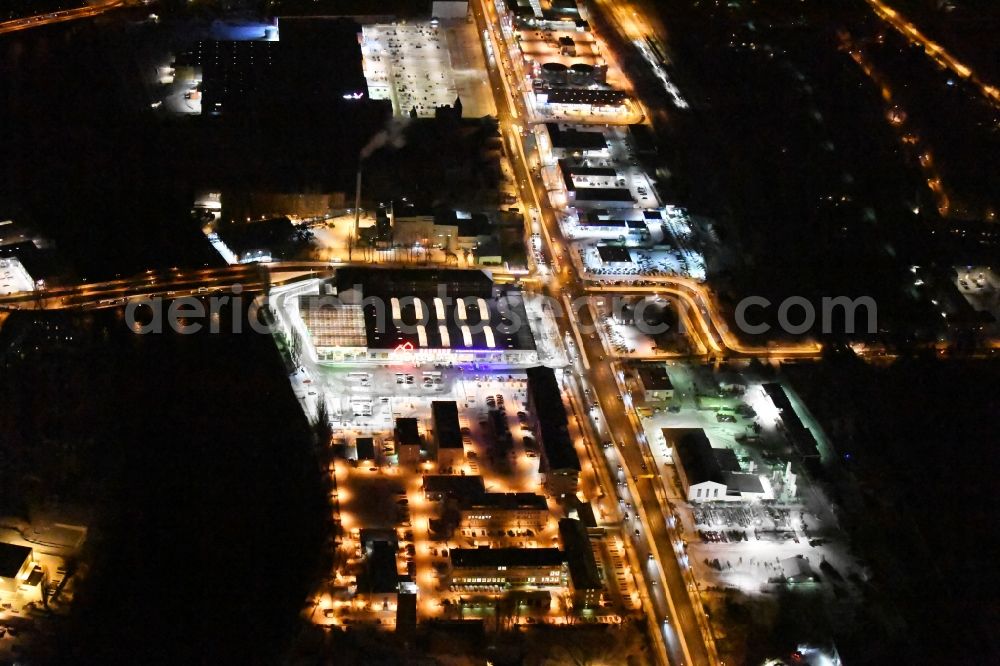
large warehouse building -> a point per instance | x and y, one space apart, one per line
709 474
391 316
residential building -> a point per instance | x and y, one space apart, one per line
408 442
447 434
559 464
586 585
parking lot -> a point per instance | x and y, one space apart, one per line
13 277
409 64
980 285
179 89
621 338
745 546
500 444
367 403
646 263
741 544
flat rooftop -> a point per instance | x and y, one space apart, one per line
315 61
508 501
744 483
614 254
360 8
568 137
654 377
692 448
542 46
328 326
579 177
406 613
437 309
407 432
12 558
630 225
609 194
469 558
557 445
365 447
446 428
418 282
410 64
382 575
802 438
589 96
458 486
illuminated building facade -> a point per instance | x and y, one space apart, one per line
502 569
504 511
585 578
451 317
709 474
18 573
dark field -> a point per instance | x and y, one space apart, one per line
917 453
198 465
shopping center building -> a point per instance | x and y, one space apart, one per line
403 316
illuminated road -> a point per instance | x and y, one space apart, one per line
637 28
170 283
679 627
908 139
933 49
99 7
175 282
707 323
684 639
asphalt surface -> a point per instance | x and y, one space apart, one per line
668 597
36 21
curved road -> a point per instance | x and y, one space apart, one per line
87 11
